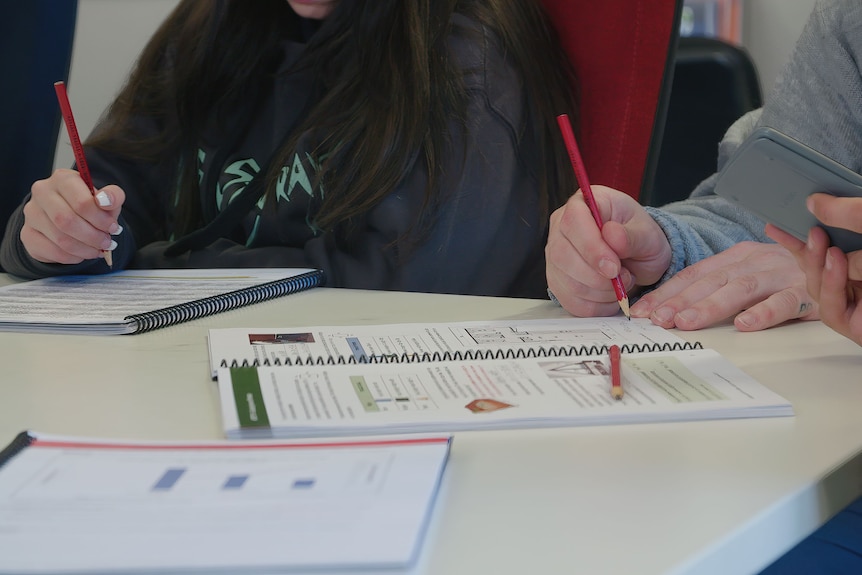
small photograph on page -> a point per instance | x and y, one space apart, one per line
487 405
279 338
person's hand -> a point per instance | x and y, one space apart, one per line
582 260
834 279
64 224
762 281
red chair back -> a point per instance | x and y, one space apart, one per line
622 52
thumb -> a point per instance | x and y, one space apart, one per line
641 245
110 199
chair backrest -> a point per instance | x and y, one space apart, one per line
714 83
35 50
622 51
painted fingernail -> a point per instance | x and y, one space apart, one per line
115 229
103 199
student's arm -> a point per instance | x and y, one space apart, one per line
817 100
142 191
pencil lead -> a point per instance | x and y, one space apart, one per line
624 305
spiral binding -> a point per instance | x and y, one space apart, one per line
21 441
465 355
223 302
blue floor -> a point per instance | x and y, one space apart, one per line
834 549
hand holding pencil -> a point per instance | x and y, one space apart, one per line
67 220
601 245
586 189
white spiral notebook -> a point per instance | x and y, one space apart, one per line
135 301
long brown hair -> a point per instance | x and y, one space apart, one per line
384 89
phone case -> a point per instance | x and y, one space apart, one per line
772 174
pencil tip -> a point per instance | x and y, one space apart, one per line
624 305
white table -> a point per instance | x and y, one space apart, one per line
713 497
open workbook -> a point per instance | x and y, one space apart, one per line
135 301
402 378
79 505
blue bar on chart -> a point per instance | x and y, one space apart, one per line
235 482
303 484
169 479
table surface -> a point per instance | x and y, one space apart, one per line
712 497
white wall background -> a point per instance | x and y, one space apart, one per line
769 30
111 33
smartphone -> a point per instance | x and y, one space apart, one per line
772 174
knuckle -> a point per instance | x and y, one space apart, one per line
747 284
80 204
63 221
689 274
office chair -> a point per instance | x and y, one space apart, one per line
714 83
622 52
36 51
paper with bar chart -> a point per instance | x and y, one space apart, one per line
100 506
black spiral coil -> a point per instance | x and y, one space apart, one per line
21 441
465 355
223 302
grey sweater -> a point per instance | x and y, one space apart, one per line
817 100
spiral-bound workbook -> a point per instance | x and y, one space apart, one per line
403 378
135 301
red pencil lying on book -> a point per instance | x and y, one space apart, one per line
616 375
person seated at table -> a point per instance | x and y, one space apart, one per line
699 261
834 279
395 145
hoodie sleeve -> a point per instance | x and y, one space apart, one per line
817 99
142 218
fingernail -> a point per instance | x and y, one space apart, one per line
830 261
627 277
115 229
103 199
746 319
608 269
108 244
688 315
663 314
809 204
640 309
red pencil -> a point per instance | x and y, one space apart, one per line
584 182
77 147
616 376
